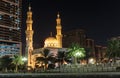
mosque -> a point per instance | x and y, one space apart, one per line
50 42
54 44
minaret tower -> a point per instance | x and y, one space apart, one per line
59 33
29 36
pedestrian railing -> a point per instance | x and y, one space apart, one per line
89 68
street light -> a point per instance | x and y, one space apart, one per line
24 59
91 60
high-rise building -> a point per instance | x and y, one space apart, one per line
10 27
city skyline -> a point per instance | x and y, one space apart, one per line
59 38
100 19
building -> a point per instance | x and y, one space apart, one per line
79 36
74 36
90 45
100 53
29 37
50 42
10 27
55 42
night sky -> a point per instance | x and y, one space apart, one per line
100 19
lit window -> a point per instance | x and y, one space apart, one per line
0 17
16 1
18 28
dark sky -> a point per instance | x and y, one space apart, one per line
100 18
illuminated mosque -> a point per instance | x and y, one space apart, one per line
54 44
50 42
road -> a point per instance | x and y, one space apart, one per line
58 74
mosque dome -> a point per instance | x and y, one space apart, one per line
51 42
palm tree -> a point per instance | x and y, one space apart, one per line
113 49
17 60
45 57
76 51
61 57
5 62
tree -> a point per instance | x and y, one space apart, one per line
76 51
5 62
17 60
61 57
113 48
45 57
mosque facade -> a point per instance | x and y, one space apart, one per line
53 43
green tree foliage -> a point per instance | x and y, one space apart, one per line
76 51
45 57
113 48
5 62
61 57
17 60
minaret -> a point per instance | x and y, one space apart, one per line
29 36
59 33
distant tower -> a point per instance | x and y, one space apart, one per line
59 33
29 36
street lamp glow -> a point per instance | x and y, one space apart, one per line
24 59
78 54
92 61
